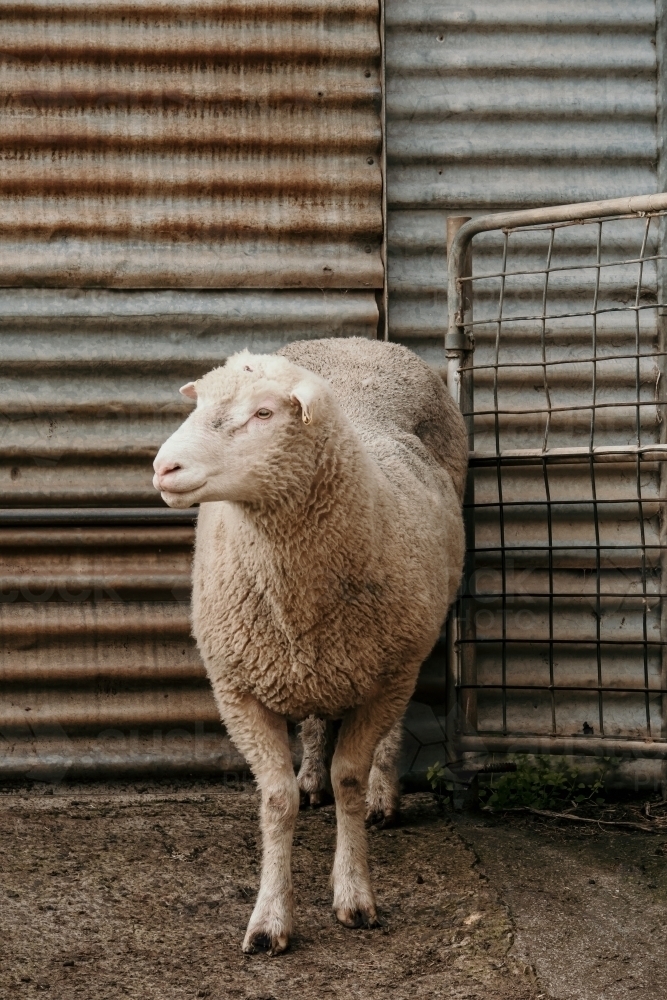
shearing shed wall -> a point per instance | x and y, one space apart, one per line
500 106
99 673
185 143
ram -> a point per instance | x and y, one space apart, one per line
329 547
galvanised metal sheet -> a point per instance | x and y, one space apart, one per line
89 379
190 144
493 106
510 105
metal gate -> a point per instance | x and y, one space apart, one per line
555 353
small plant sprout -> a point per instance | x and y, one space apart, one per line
436 775
542 783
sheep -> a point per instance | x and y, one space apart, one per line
329 547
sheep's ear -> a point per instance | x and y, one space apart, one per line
189 390
304 394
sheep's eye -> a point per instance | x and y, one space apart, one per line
264 414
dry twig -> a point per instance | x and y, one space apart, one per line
580 819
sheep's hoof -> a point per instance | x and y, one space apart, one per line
313 800
357 918
383 818
261 941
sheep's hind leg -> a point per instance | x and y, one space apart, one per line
360 733
313 776
382 797
261 736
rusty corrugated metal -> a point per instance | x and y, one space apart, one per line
163 151
165 146
89 379
180 144
98 669
99 673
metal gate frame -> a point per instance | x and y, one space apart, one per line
462 680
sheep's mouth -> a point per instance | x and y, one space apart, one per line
182 498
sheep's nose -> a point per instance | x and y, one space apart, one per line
165 463
164 468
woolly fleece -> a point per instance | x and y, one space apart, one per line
339 581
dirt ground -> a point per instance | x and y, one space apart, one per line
144 891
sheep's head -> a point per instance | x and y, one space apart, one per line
251 437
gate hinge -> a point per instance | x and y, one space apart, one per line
459 341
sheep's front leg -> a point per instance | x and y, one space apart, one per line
261 736
361 731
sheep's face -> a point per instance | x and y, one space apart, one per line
248 438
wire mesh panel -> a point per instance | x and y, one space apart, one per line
556 354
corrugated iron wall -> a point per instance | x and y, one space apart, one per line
89 378
156 144
190 143
98 670
493 106
179 180
501 106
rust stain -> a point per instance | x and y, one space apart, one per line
249 133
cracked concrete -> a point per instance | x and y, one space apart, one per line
588 905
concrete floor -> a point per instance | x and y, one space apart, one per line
589 907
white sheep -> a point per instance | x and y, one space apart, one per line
329 548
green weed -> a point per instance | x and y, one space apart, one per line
442 788
542 782
539 782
